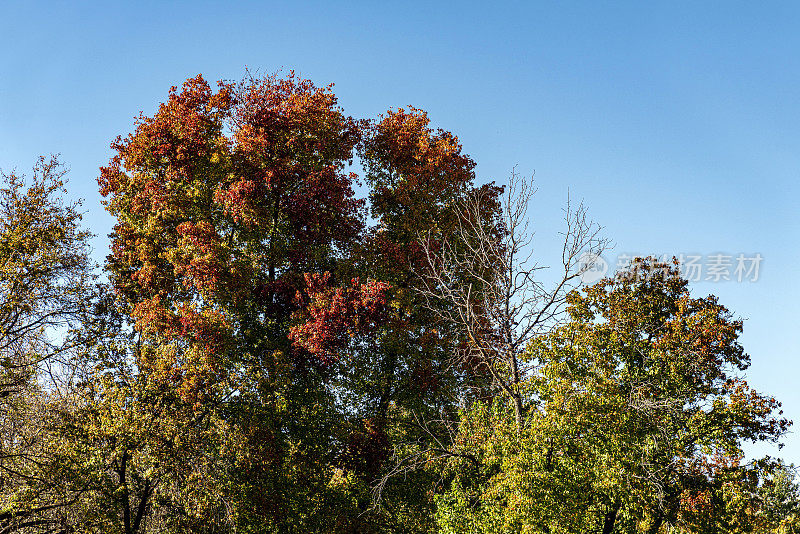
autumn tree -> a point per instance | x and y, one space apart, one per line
46 289
260 297
639 413
275 354
45 273
233 206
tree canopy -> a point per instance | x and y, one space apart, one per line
320 323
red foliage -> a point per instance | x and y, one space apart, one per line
224 198
335 316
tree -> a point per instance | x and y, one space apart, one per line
46 273
46 289
484 282
230 205
260 298
268 358
780 498
638 417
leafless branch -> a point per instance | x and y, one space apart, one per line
484 282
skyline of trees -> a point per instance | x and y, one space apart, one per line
274 353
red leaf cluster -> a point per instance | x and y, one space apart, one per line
335 316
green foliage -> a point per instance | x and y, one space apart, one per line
46 286
266 358
636 421
780 498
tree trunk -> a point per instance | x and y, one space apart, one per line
610 519
126 503
518 411
657 522
515 394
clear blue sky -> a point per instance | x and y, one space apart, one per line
678 123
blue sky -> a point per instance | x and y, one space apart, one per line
677 122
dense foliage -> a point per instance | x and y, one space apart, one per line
274 353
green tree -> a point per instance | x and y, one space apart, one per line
638 417
46 290
780 497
